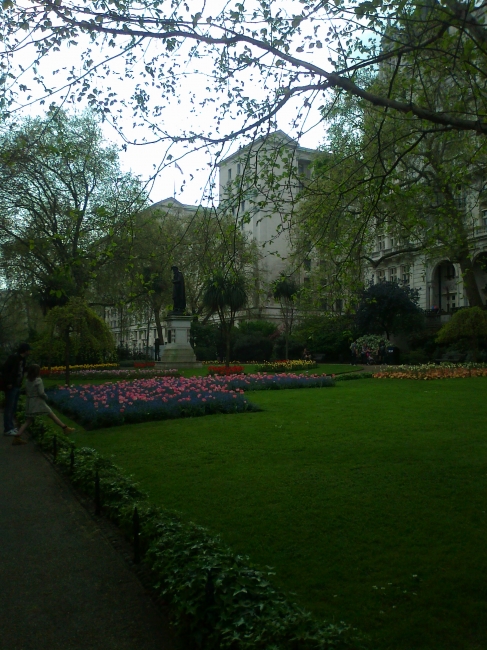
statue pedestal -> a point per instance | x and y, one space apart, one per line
178 353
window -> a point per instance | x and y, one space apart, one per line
484 218
338 305
391 239
381 242
405 273
142 334
243 206
450 271
307 265
381 275
393 274
451 301
238 169
229 173
304 168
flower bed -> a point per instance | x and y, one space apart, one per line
225 371
122 373
431 371
286 366
60 370
113 404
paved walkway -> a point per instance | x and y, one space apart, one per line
63 585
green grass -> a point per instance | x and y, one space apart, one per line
368 499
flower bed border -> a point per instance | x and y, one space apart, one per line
216 599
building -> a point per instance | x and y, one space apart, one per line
438 279
259 184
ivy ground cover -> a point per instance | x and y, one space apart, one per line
368 500
124 402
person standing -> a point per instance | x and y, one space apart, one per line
353 354
13 375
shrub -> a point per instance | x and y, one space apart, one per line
467 324
295 350
328 335
252 347
261 327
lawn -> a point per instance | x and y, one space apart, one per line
367 498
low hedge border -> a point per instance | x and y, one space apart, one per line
218 600
354 375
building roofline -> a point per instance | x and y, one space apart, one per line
171 202
279 134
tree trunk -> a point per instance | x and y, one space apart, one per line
147 338
66 357
228 345
287 344
469 282
157 318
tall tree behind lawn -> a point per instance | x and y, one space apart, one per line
65 206
390 177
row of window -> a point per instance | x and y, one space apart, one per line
393 274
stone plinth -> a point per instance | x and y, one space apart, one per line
178 353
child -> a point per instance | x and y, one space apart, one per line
35 404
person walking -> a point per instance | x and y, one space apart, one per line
13 375
36 404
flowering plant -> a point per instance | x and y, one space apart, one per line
286 365
110 404
432 371
59 370
224 370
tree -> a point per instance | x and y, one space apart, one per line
66 208
392 177
469 324
225 294
387 307
261 56
72 329
286 291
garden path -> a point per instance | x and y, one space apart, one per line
63 585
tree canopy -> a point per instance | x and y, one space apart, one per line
66 208
387 307
259 56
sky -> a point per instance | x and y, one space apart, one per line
189 180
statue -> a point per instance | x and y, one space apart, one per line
178 291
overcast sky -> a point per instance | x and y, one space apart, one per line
192 184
